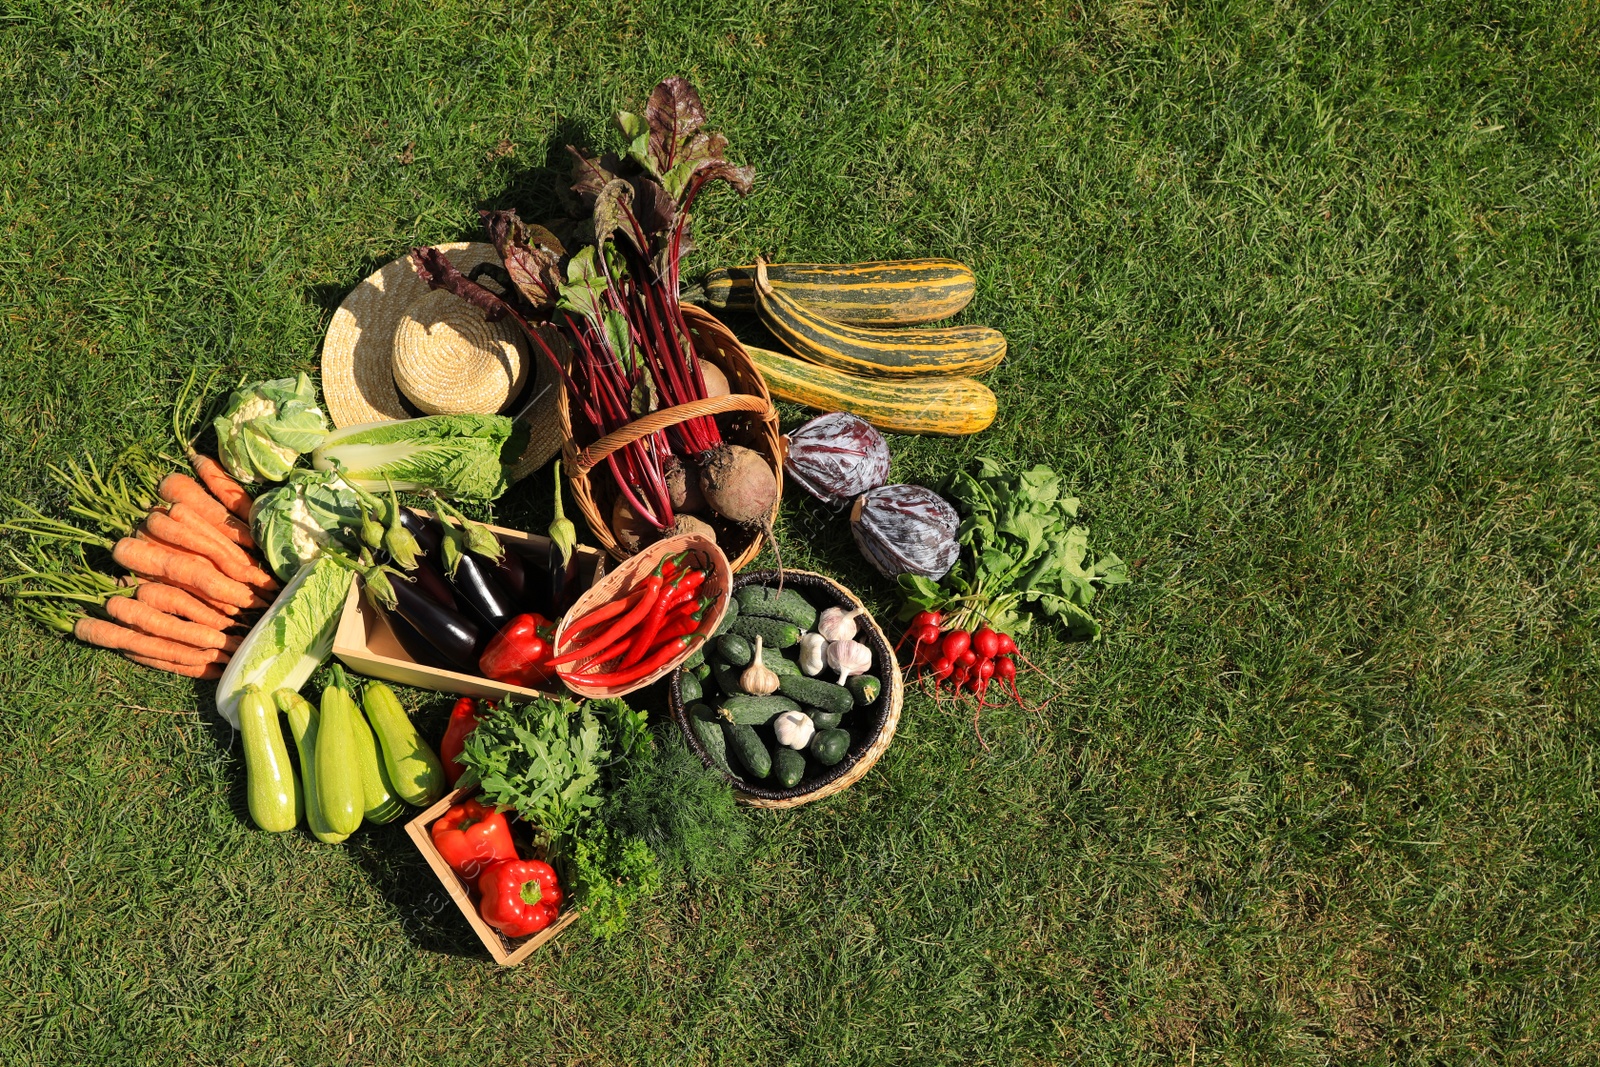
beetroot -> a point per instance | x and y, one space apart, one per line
906 529
739 486
837 457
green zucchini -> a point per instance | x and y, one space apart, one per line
338 762
303 719
688 688
379 805
815 691
865 688
271 791
787 605
775 632
753 710
896 292
747 749
414 768
788 767
733 649
828 747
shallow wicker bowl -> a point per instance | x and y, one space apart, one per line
703 553
746 417
871 728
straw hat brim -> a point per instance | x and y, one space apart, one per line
358 352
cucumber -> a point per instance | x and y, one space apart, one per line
688 688
778 663
774 632
828 747
733 649
338 763
865 688
270 786
303 719
815 691
697 659
747 749
702 670
413 767
753 711
727 680
727 619
823 720
788 606
708 730
379 805
788 767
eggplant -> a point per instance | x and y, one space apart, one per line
474 583
424 530
416 646
449 631
511 572
425 577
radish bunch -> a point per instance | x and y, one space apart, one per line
962 660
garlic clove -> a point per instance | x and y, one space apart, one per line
836 624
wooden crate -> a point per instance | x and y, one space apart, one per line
506 952
366 645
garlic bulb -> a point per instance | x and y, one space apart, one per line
813 654
837 624
794 729
758 679
849 658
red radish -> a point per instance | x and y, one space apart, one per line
1006 645
927 618
986 642
985 670
956 642
959 676
967 658
941 668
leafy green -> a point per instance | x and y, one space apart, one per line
292 639
1022 549
312 513
459 456
610 875
266 426
541 759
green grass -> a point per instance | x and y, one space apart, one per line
1301 297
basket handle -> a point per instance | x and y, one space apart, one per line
591 457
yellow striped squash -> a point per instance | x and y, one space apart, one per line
951 406
959 350
899 292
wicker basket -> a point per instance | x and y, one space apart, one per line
755 426
871 728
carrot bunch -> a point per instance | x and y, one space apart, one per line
192 573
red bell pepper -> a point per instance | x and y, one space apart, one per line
463 717
520 897
472 838
520 652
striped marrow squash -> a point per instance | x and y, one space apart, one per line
896 353
953 406
903 292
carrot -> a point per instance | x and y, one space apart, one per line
110 635
155 560
236 532
208 672
174 601
178 488
143 617
221 484
205 540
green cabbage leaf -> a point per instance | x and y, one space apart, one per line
267 426
312 513
461 457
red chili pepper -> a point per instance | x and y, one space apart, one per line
604 612
679 625
520 897
660 657
681 590
463 717
520 652
652 590
669 567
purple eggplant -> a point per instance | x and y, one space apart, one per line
424 530
428 582
416 646
449 631
512 573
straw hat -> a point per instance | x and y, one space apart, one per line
393 336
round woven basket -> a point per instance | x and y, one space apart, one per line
871 728
754 424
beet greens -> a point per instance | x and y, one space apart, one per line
607 315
